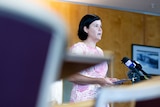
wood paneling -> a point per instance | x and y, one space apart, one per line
71 13
152 30
120 29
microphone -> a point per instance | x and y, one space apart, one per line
135 67
130 64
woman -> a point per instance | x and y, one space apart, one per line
88 81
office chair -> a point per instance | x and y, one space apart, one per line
32 47
142 91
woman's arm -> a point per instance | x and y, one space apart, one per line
81 79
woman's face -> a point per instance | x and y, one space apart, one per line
95 30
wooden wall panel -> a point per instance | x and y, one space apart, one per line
71 13
152 30
120 29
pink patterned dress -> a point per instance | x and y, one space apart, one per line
89 91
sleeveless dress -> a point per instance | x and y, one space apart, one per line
87 92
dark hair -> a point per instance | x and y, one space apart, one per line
86 21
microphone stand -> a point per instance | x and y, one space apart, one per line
139 67
134 76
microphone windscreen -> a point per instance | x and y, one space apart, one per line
124 60
128 62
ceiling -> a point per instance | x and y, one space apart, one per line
151 7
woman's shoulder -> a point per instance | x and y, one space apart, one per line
79 44
78 48
100 50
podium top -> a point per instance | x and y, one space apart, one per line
76 63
